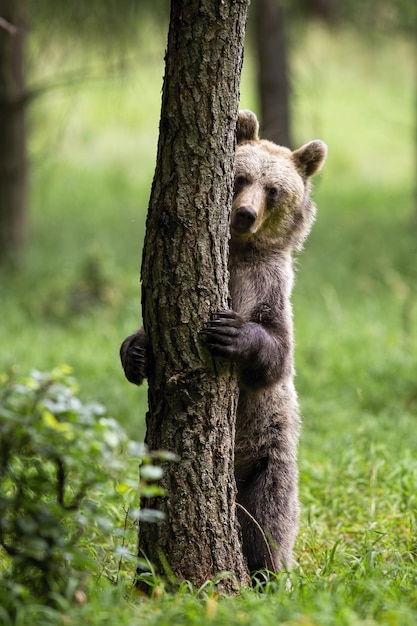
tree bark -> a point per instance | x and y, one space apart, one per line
192 399
273 77
12 131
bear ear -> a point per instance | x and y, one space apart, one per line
310 157
247 127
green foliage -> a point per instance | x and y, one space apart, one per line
69 490
382 14
107 21
370 16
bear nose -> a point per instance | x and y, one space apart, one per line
244 218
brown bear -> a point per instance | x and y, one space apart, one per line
271 215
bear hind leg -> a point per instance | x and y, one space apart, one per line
268 512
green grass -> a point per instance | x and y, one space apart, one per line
78 295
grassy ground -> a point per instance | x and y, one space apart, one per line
78 295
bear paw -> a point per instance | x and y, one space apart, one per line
224 334
133 357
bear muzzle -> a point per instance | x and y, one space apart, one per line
243 219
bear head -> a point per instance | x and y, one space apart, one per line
271 203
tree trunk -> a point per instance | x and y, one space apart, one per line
327 10
12 131
192 399
273 78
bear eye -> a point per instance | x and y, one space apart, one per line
240 181
272 193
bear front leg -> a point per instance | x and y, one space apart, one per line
133 357
261 352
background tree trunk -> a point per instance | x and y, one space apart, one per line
327 10
12 131
192 400
273 78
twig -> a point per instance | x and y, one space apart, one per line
259 528
123 541
11 28
66 79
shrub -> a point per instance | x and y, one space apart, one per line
69 490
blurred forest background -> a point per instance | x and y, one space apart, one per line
80 88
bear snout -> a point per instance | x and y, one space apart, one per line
243 219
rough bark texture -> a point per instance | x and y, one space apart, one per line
12 131
273 79
192 399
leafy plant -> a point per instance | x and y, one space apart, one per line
68 489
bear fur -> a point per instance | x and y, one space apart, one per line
271 215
